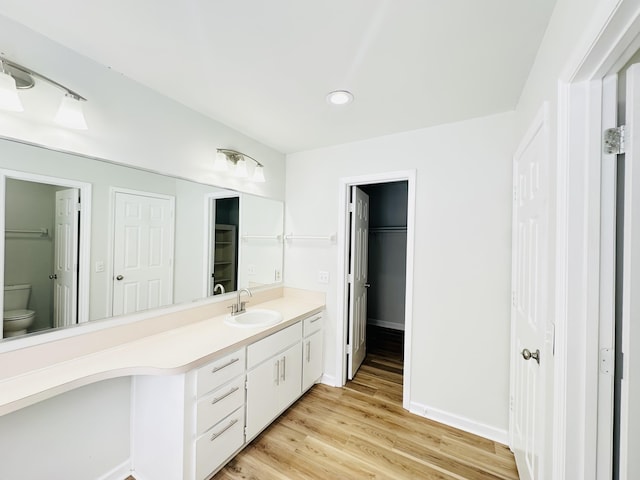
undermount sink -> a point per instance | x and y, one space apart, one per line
257 317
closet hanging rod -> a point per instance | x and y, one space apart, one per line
43 232
262 237
387 229
328 238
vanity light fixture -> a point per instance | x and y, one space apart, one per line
9 99
225 156
20 77
340 97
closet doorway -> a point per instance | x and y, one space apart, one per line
377 268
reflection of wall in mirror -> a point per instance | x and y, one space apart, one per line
261 258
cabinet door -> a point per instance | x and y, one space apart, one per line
290 384
262 396
312 364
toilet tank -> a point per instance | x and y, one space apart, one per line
16 297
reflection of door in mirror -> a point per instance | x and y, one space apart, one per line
41 256
224 219
143 239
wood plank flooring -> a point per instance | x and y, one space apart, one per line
361 431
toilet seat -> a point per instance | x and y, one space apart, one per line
10 315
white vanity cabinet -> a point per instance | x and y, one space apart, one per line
312 351
187 426
274 377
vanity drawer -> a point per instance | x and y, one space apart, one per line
214 406
219 443
220 371
273 344
312 324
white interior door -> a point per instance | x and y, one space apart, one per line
65 276
529 303
143 252
358 280
629 461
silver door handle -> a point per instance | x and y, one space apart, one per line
367 285
526 354
53 276
119 277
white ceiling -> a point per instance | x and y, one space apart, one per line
264 67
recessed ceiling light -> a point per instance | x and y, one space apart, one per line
340 97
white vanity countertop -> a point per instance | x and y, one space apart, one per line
175 350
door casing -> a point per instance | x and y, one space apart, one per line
345 185
85 231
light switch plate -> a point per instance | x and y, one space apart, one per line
323 277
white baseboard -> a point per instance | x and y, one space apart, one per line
461 423
329 380
385 324
119 472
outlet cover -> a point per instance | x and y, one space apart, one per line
323 277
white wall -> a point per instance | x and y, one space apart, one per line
128 123
460 334
79 435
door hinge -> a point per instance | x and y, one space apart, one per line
607 361
78 207
349 349
515 194
513 298
352 207
350 278
613 140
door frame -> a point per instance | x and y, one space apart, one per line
113 191
579 448
345 185
84 247
209 236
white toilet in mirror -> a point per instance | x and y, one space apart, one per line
17 319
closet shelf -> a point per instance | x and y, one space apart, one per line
387 229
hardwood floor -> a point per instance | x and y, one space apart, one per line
361 431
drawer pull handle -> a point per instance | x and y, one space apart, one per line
308 351
225 395
217 434
229 363
284 369
314 320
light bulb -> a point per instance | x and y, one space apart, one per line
241 169
221 164
9 99
70 113
258 174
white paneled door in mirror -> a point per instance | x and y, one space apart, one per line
143 251
529 355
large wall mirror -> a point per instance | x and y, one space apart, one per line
87 239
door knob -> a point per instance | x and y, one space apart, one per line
53 276
119 277
526 354
367 285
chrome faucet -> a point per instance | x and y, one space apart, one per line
217 287
239 307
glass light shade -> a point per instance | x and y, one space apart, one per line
221 164
9 99
258 174
241 169
70 114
